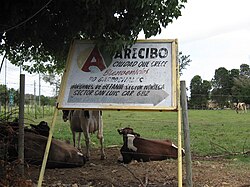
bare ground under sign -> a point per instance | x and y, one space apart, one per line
206 172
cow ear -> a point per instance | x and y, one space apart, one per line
119 131
137 134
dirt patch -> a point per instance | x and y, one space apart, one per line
206 173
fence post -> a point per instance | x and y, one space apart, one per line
21 125
188 160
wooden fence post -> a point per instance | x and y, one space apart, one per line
21 125
188 160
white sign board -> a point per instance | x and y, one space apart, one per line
142 77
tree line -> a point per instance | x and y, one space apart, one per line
10 97
225 88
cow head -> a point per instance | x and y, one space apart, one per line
127 130
65 115
42 128
43 124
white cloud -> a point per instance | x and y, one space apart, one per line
10 75
214 33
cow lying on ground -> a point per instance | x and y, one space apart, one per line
88 122
240 107
140 149
61 154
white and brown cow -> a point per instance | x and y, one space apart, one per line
240 107
140 149
88 122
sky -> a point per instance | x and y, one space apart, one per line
11 78
215 33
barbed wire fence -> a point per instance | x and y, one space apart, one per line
35 90
34 107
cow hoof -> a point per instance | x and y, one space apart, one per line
120 159
103 157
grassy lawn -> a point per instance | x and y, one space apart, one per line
212 132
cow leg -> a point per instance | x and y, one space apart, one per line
126 158
100 135
74 138
87 142
79 140
103 157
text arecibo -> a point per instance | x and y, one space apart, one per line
142 53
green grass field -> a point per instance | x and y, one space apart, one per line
212 132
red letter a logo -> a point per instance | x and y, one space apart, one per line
94 61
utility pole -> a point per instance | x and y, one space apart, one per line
35 98
39 97
5 77
21 125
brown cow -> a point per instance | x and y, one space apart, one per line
140 149
61 154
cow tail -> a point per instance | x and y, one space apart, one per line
86 114
70 115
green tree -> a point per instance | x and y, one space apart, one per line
241 89
234 74
241 85
47 100
200 90
184 61
3 94
205 91
244 70
53 80
41 32
221 92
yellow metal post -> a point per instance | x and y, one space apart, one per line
179 123
46 153
179 148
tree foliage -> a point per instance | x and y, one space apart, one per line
222 85
241 86
6 93
54 80
228 86
244 70
41 32
184 61
200 90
